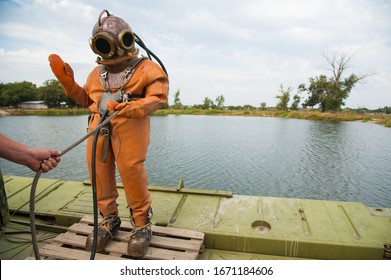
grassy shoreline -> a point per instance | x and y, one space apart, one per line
301 114
47 112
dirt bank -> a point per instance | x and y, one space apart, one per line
4 113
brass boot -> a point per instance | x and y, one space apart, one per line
107 229
139 241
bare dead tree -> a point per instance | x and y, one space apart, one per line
340 60
330 93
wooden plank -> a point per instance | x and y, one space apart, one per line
63 253
159 241
71 239
152 253
166 243
120 248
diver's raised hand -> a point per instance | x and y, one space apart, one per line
62 71
65 76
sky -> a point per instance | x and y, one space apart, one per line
243 50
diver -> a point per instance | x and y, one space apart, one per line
136 87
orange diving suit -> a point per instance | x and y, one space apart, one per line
125 141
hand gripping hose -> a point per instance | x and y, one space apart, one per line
95 131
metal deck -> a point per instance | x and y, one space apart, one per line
235 226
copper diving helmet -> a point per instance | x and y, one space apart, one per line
112 39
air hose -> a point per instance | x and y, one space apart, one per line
149 53
93 182
95 131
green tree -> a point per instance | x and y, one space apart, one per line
208 103
317 91
177 100
296 102
12 94
248 107
3 98
53 94
330 93
220 101
284 98
263 105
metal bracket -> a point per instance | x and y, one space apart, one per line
181 185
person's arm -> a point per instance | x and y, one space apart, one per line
33 158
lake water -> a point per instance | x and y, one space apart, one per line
348 161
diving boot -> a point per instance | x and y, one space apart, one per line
139 241
107 229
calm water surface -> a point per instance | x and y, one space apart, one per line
346 161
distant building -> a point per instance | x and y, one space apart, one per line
63 105
33 105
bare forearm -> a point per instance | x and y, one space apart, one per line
13 151
33 158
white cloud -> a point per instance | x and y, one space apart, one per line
65 6
210 48
23 54
32 34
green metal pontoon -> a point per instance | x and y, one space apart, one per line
234 226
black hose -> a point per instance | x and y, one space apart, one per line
93 182
149 53
38 174
141 44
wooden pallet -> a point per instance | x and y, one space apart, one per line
167 243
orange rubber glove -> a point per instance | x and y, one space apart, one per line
112 106
136 109
65 76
